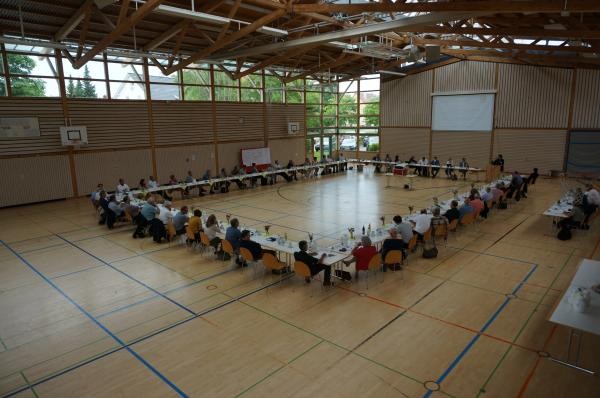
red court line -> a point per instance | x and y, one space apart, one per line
441 320
535 365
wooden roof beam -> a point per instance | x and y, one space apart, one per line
121 28
514 32
500 44
342 60
491 53
166 35
500 6
73 21
273 60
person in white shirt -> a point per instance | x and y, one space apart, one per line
165 214
95 196
424 169
593 196
343 163
449 168
122 188
422 224
152 183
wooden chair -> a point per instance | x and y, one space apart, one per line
271 263
375 265
468 219
171 233
303 271
441 230
205 243
190 238
228 248
394 257
249 259
427 235
453 225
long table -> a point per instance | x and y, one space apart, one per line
587 275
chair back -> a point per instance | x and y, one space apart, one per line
227 247
413 242
301 269
452 226
171 230
189 233
427 235
441 229
375 262
468 219
271 262
128 217
489 204
393 257
204 239
245 253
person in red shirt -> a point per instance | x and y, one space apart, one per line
362 252
477 205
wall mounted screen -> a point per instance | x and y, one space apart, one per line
463 112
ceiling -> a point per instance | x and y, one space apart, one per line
317 39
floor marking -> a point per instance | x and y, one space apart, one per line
129 276
98 323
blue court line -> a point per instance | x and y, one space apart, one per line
139 340
460 356
98 323
129 276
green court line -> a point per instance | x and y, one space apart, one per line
539 303
3 345
29 384
277 370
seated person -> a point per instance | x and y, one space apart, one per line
478 206
224 184
343 164
147 213
377 160
497 193
515 185
114 212
465 209
233 235
452 213
152 183
487 195
450 168
435 167
424 167
363 252
95 196
438 220
404 229
180 219
255 248
464 168
293 175
211 230
238 181
165 215
205 177
122 188
533 176
499 161
142 185
195 224
314 264
131 209
422 224
392 243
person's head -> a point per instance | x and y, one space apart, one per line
211 220
474 192
245 235
397 219
454 204
535 170
223 170
500 156
467 201
423 158
151 178
167 204
112 198
183 210
435 157
365 241
303 245
189 173
423 211
515 173
126 200
142 182
488 190
234 223
121 181
151 201
197 213
436 211
393 232
172 177
100 187
464 160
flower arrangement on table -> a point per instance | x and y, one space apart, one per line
411 208
350 231
228 217
310 237
436 201
382 218
455 193
267 227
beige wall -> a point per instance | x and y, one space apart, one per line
134 139
531 120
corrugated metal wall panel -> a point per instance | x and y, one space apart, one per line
278 117
286 149
405 142
473 146
230 154
107 167
34 179
176 122
406 102
465 76
525 149
50 116
532 97
586 112
178 160
239 121
112 125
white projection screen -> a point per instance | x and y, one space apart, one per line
463 112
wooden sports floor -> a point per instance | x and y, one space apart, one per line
90 312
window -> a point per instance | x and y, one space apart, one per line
196 84
31 75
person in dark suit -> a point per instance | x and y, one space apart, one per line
254 247
315 264
392 243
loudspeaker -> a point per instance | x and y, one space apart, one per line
432 53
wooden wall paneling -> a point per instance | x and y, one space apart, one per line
474 146
239 121
150 117
406 102
34 179
525 149
532 97
108 167
285 149
586 110
179 159
405 142
230 153
279 115
465 76
112 124
181 122
49 112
